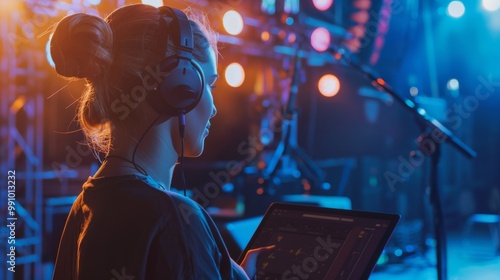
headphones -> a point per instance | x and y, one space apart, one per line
183 81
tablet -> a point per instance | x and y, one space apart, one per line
319 243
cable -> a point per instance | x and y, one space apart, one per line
137 167
182 125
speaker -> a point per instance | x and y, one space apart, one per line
183 82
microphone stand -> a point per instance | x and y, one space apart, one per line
288 151
433 131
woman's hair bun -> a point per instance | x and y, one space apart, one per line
82 46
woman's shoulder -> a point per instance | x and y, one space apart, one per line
187 208
142 192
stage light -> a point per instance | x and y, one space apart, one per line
322 5
453 87
96 2
282 34
413 91
362 4
265 36
329 85
361 17
233 22
320 39
18 104
490 5
268 6
456 9
398 252
291 38
235 74
360 22
291 7
154 3
452 84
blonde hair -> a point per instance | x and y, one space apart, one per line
111 55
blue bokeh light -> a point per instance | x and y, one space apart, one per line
456 9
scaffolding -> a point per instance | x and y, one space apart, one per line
22 146
22 84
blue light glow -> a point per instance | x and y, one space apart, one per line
268 6
490 5
410 103
452 84
398 252
456 9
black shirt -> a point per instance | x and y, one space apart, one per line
124 228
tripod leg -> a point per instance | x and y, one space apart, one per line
314 172
274 160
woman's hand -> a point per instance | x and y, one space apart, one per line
249 263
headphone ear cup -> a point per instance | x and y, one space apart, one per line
182 87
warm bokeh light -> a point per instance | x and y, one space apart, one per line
380 81
233 22
362 4
361 17
282 34
235 74
7 7
329 85
18 104
265 36
322 5
154 3
490 5
456 9
320 39
291 38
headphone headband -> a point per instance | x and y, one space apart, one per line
183 85
180 26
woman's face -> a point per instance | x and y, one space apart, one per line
198 119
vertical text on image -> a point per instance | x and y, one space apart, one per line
11 220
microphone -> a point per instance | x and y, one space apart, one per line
343 54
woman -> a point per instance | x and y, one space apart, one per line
125 224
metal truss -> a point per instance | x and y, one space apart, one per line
22 146
23 74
